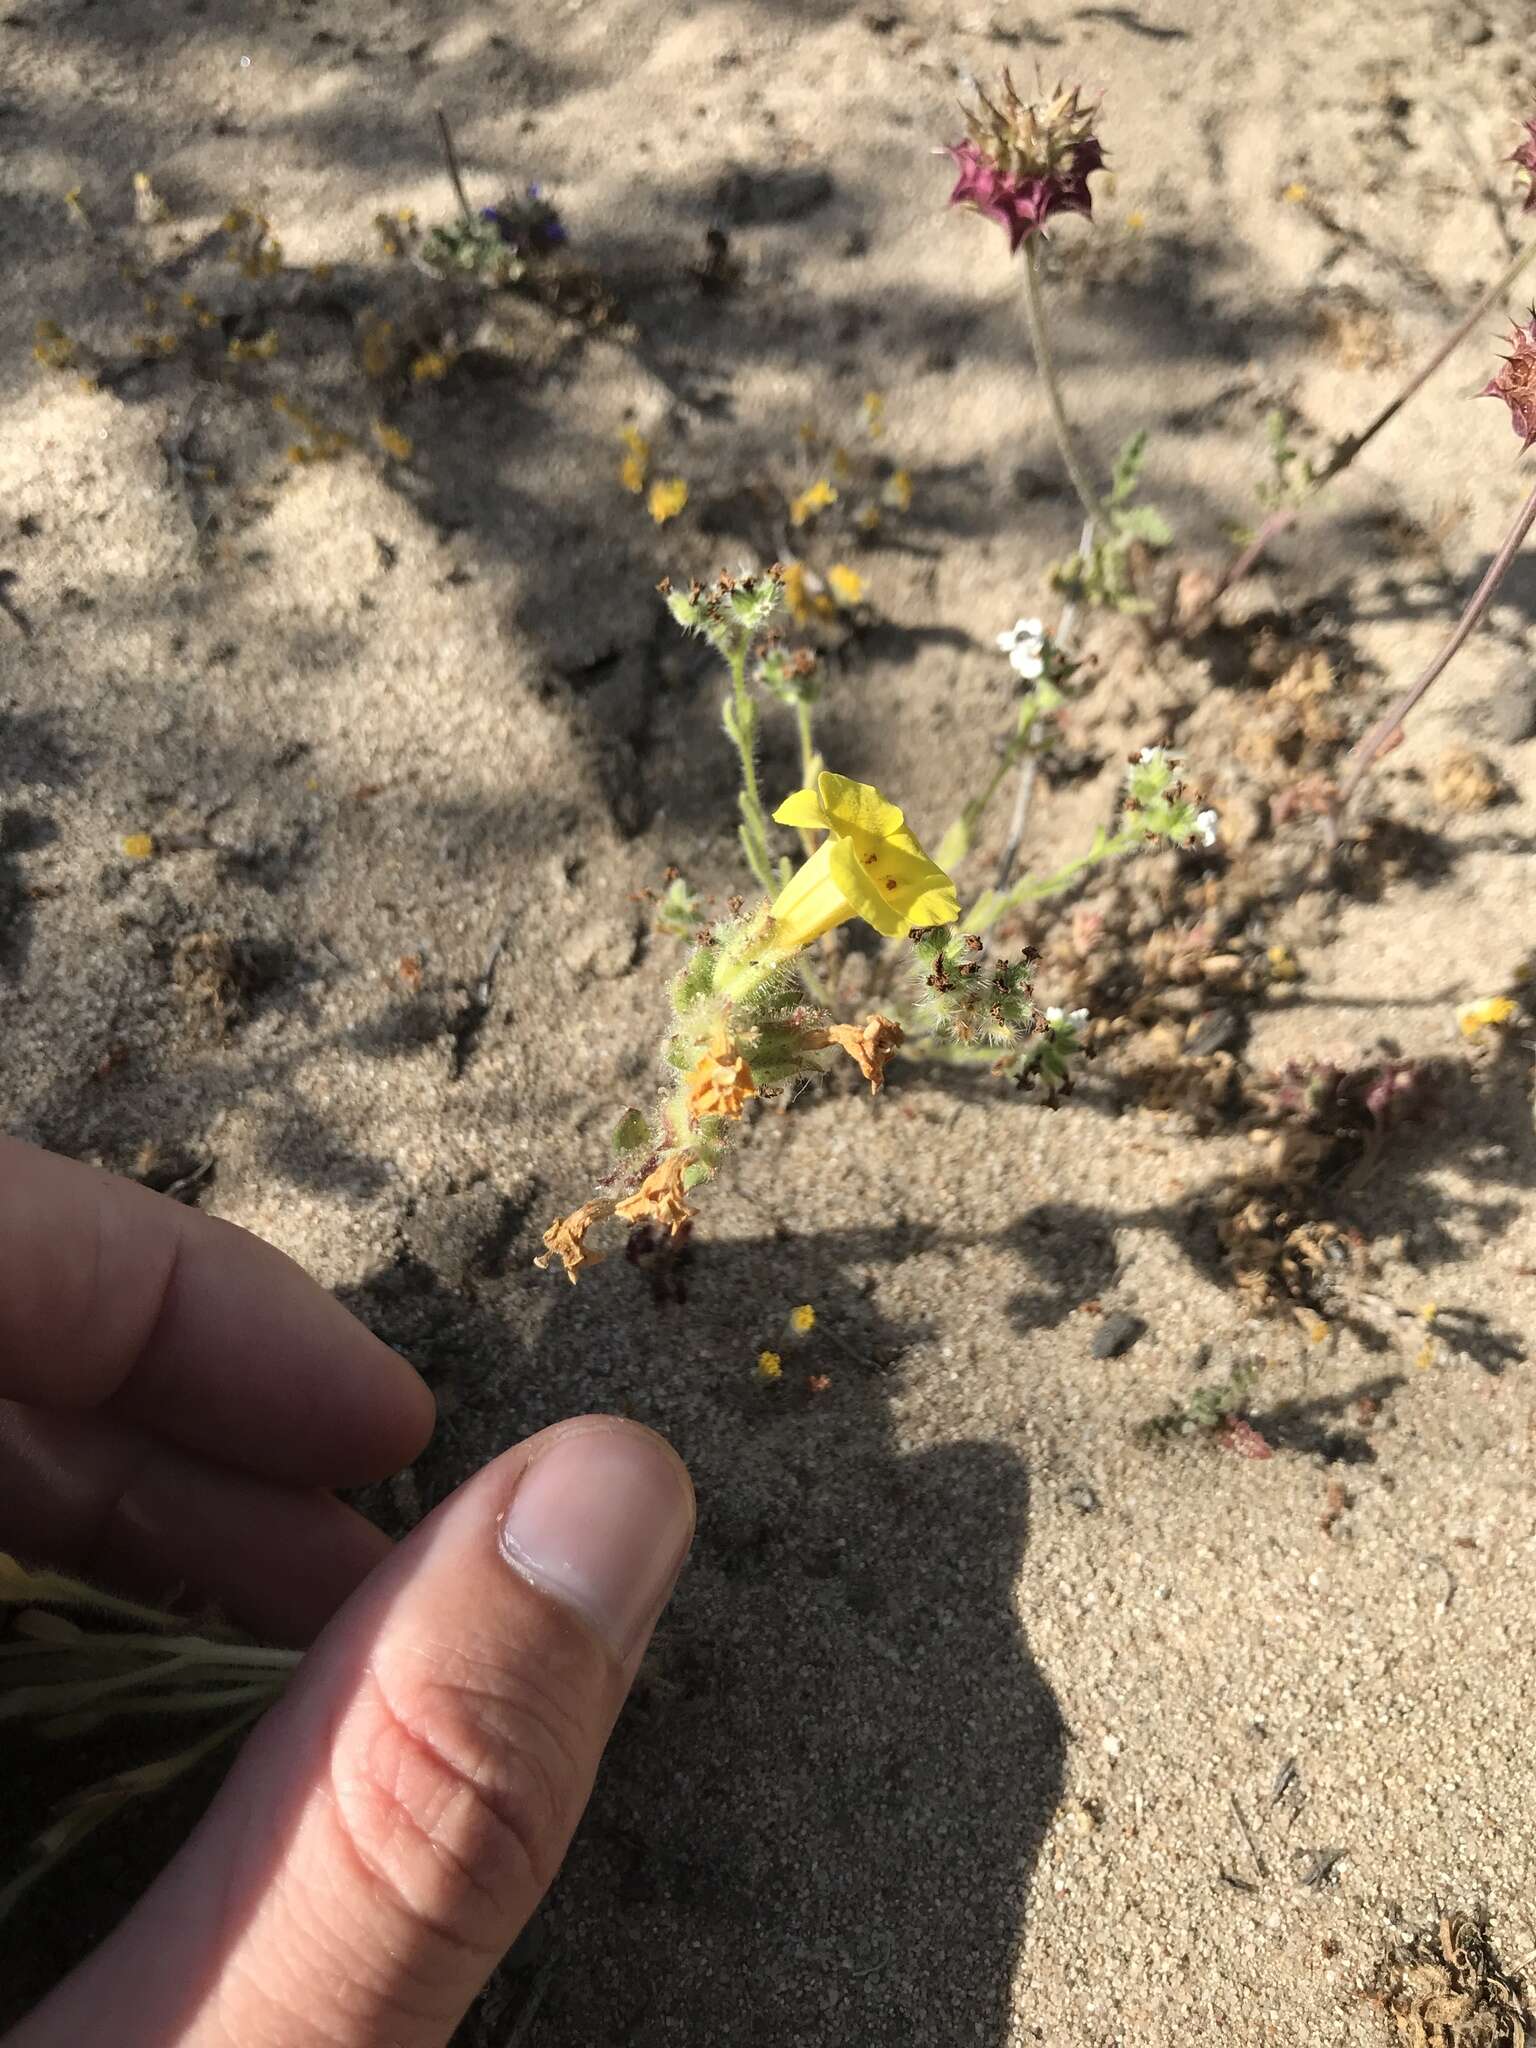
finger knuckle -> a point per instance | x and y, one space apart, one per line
458 1797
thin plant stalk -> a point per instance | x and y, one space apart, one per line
1039 338
451 159
1029 768
1345 451
1383 733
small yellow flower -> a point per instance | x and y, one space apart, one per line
1474 1018
636 465
869 865
796 596
769 1365
392 441
845 584
897 491
668 496
1135 222
802 1320
1428 1311
432 366
1282 964
813 499
137 846
1294 193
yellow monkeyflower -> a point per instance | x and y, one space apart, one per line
1294 193
668 496
1474 1018
815 498
137 845
869 865
845 584
769 1365
802 1320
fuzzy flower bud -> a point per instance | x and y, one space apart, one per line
1516 382
1024 160
729 613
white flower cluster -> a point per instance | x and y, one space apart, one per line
1025 645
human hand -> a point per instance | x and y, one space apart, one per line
174 1397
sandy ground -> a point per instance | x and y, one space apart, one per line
942 1740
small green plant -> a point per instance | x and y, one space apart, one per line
1216 1412
76 1658
1103 573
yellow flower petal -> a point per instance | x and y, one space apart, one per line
1473 1018
811 500
669 494
869 866
845 584
802 1319
137 846
769 1365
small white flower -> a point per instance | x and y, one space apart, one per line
1055 1014
1021 629
1028 659
1077 1019
1150 754
1205 825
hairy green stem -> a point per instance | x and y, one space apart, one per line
1034 310
741 726
992 904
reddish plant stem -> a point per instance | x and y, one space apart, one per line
1345 451
1386 728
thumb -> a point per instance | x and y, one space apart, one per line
394 1821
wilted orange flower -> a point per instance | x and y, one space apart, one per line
660 1196
872 1043
566 1239
721 1081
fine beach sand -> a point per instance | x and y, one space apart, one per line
943 1734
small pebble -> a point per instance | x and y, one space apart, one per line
1117 1333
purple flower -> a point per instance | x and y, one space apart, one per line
1024 160
1525 157
1023 203
1516 382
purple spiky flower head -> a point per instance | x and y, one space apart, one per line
1516 382
1525 157
1024 160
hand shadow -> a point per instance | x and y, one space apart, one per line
821 1812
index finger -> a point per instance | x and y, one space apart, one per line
116 1299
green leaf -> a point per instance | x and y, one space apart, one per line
1145 523
1126 474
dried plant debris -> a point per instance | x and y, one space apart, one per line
1445 1990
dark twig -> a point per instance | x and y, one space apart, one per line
1253 1848
450 158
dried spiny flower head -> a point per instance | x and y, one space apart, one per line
730 612
1516 382
1024 160
1525 157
